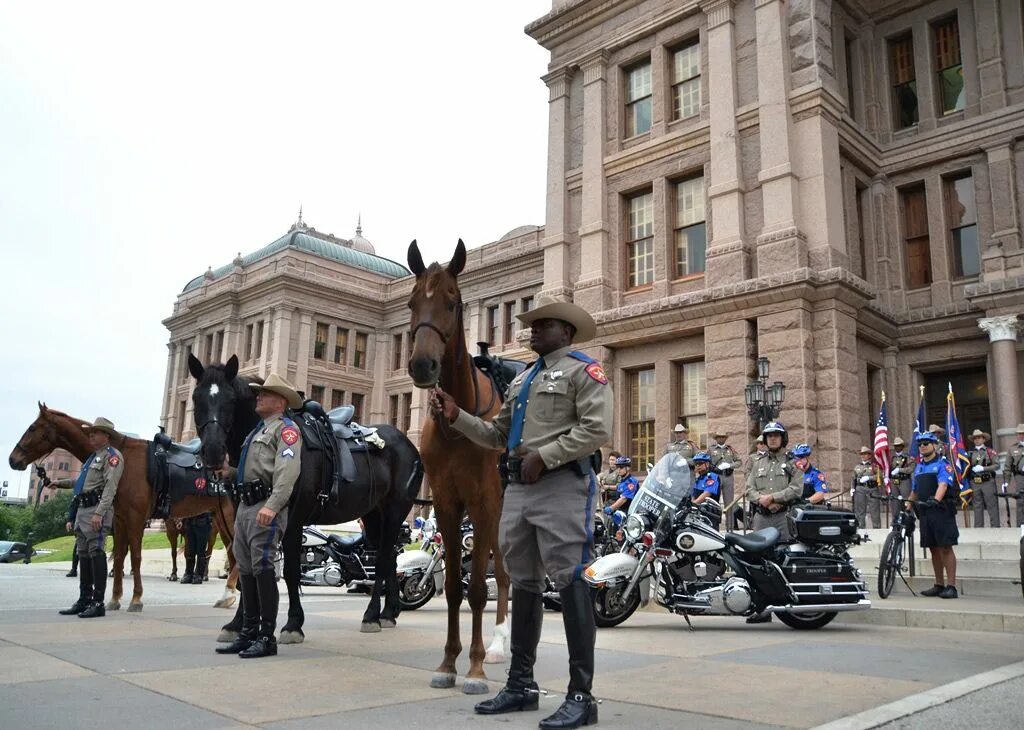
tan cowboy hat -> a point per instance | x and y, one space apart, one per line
865 450
898 442
575 315
720 432
1020 428
759 440
101 424
276 384
978 432
936 429
680 428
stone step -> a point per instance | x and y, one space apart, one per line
1002 588
968 613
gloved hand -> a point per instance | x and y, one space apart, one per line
607 510
977 468
865 479
724 465
895 472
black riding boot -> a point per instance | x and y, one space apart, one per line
265 643
98 564
579 707
84 591
520 691
190 570
74 563
250 617
201 562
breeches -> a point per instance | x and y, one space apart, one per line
88 540
255 547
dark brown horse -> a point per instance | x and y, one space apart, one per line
463 476
135 499
173 533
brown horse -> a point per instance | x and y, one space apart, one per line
173 533
463 476
135 498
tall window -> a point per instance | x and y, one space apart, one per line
396 352
218 345
259 339
690 232
208 349
357 403
337 397
640 239
859 258
406 412
915 236
686 81
526 304
180 420
638 99
184 363
963 225
341 347
393 410
359 359
320 345
642 402
316 392
693 401
492 325
947 61
848 43
508 324
248 341
904 81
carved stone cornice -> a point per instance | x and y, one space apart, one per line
718 12
558 83
594 67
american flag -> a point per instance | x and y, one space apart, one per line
882 445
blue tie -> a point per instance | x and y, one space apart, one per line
245 450
81 477
515 434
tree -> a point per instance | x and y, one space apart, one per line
49 518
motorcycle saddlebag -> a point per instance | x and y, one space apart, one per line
817 526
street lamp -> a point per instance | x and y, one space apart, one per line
764 401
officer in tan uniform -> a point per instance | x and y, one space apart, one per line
940 434
555 415
864 483
681 444
984 463
95 490
609 479
1014 471
267 471
724 461
902 468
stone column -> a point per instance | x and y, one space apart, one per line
188 428
1006 236
282 326
264 359
780 248
593 290
1002 334
377 398
788 339
302 357
169 385
232 340
729 353
728 256
991 68
821 190
835 376
890 384
555 243
172 408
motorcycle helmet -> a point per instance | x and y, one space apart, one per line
623 461
801 451
775 427
702 456
927 436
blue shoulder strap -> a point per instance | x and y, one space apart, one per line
80 482
111 451
287 421
577 355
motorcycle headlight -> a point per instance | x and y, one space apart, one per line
633 527
427 532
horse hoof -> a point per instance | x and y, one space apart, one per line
387 623
494 657
225 602
172 578
113 605
475 687
134 607
442 680
291 637
226 637
369 628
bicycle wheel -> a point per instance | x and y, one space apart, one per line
888 564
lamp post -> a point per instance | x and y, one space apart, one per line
764 401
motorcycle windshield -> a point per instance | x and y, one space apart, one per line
664 488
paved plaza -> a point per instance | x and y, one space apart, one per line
158 666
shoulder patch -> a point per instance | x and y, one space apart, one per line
948 468
290 434
114 460
577 355
595 371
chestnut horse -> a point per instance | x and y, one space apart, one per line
463 476
134 501
173 533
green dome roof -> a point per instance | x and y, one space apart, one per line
309 241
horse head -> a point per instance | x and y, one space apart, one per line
215 400
436 305
38 440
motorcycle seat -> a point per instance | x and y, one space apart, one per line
755 542
346 544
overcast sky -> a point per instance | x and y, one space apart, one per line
139 145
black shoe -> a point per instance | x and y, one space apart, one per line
76 608
759 619
511 699
71 574
949 592
200 574
94 611
261 647
190 570
933 591
579 709
84 591
520 693
250 617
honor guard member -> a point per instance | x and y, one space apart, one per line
815 483
627 487
984 463
903 465
94 490
863 484
610 479
759 445
940 435
1015 470
681 444
554 417
267 471
934 480
724 461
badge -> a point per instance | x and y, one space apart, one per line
114 460
595 371
290 435
288 453
200 483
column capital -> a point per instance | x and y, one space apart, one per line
718 12
594 67
558 83
1000 328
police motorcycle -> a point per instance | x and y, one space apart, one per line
607 539
333 560
699 571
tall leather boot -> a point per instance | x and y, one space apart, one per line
74 563
520 691
250 617
202 565
84 591
99 585
265 643
579 708
190 570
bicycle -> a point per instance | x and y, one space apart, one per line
1008 496
898 544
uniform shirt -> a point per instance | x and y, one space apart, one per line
865 469
726 453
985 457
103 471
1015 458
708 483
941 469
568 412
814 481
274 457
610 478
770 473
904 464
628 487
686 449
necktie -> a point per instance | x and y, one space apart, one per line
515 434
81 477
245 451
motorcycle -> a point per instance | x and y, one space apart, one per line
672 544
606 540
332 560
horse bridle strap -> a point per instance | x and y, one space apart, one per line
434 328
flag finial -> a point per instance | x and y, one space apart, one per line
922 390
883 396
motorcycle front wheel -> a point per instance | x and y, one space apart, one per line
807 621
611 608
410 597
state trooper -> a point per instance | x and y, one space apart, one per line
267 471
864 485
940 439
556 414
609 479
681 444
725 461
815 482
984 463
903 465
95 489
1015 471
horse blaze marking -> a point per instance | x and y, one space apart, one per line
214 390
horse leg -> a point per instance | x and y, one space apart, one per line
476 679
120 548
229 631
172 537
373 529
387 560
230 592
448 520
135 544
291 632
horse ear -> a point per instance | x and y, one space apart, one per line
42 406
415 260
231 368
195 367
458 262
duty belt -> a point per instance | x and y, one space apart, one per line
515 466
723 472
250 493
758 509
982 478
90 498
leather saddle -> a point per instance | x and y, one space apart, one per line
338 437
175 471
500 371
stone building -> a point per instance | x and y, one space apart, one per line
59 464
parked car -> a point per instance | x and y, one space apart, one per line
13 552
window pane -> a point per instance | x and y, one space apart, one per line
641 262
901 53
960 198
690 201
686 99
965 251
337 397
641 216
687 63
341 347
642 401
904 81
638 82
951 83
693 400
915 234
691 250
638 117
947 43
905 101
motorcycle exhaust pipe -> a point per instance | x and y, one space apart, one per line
812 608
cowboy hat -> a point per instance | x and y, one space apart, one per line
680 428
1020 428
279 386
978 432
101 424
936 429
898 442
865 450
568 312
720 432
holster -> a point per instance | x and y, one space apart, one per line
90 499
250 493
